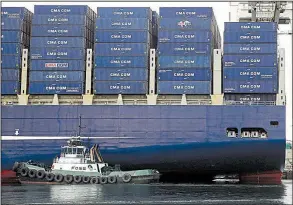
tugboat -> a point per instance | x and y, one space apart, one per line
79 165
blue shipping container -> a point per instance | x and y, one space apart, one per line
255 86
183 48
184 87
58 42
124 74
57 53
184 36
10 74
121 62
59 30
250 60
188 74
13 37
60 20
141 36
121 49
250 26
53 65
186 12
61 10
186 24
64 76
258 73
14 12
199 61
250 37
117 87
13 24
10 87
124 12
56 88
11 48
250 48
11 61
123 23
250 97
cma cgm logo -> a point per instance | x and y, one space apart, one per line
250 86
60 10
183 24
250 27
56 65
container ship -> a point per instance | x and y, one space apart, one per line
154 90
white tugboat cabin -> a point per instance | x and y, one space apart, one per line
77 157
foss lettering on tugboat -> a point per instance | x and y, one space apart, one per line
79 165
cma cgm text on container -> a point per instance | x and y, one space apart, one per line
248 73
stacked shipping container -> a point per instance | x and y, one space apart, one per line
250 61
123 40
15 35
60 37
187 37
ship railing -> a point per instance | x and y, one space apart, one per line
189 102
268 103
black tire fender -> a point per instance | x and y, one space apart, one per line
95 180
68 179
40 174
126 178
50 177
112 179
32 173
24 171
86 179
58 178
77 179
104 180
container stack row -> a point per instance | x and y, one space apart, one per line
187 37
121 55
15 36
250 70
60 37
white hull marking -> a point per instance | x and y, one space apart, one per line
55 138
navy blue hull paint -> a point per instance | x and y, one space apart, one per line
169 138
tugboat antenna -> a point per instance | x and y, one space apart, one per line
79 126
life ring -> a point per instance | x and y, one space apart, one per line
126 178
50 177
32 173
90 167
58 178
77 179
41 174
24 171
103 180
95 180
86 179
112 179
15 166
68 179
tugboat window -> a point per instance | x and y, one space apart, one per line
69 150
79 150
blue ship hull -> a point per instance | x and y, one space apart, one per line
167 138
